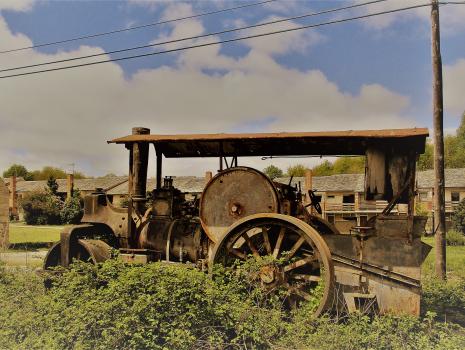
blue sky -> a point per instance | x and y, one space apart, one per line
378 69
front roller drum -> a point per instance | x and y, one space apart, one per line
88 250
295 256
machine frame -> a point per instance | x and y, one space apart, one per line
375 267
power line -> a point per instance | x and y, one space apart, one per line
221 41
198 36
90 36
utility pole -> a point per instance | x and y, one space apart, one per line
439 194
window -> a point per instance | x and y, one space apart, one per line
330 196
423 196
331 219
349 198
455 196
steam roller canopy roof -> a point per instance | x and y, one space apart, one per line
352 142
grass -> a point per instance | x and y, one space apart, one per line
455 263
21 233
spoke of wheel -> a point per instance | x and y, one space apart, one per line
252 247
238 253
307 278
298 292
299 263
278 242
295 247
266 240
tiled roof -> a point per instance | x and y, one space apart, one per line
80 184
454 178
191 184
331 183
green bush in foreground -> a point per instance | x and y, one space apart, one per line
446 299
161 306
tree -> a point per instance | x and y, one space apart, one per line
297 170
72 209
323 169
461 129
342 165
52 185
41 208
273 172
425 161
19 171
57 173
47 172
349 165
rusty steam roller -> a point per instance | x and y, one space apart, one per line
242 215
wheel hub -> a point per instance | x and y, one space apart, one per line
267 274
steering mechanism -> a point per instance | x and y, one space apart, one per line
314 201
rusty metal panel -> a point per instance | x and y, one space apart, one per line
375 179
297 143
386 133
396 226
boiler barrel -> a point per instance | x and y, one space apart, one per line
177 240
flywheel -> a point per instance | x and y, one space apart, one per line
232 195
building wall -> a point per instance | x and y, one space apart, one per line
4 215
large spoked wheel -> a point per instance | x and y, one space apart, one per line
294 256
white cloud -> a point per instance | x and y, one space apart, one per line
16 5
182 29
63 117
285 7
294 41
152 5
454 87
452 17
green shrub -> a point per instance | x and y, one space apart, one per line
421 210
446 299
72 209
455 238
41 208
458 217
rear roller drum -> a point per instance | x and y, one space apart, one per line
88 250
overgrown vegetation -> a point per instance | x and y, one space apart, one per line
166 306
